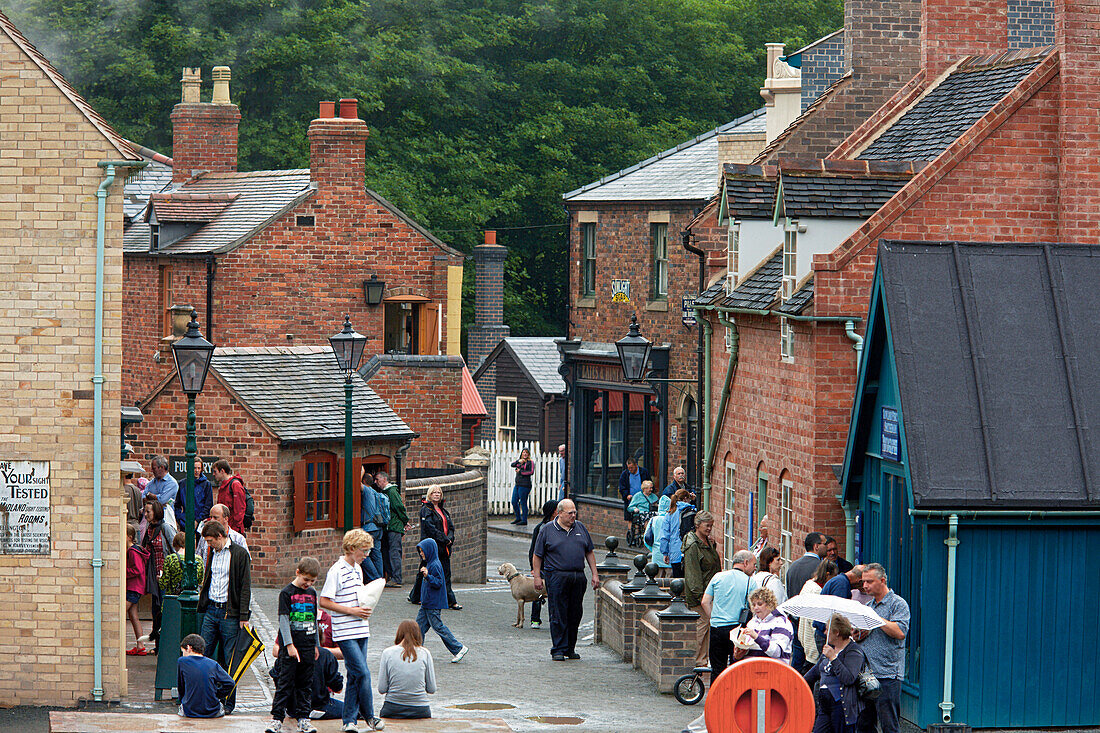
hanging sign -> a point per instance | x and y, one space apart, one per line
687 312
890 435
24 507
620 291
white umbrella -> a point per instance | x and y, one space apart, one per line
817 607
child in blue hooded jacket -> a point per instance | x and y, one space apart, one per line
433 598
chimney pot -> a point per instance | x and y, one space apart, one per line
349 109
191 82
328 110
221 85
490 236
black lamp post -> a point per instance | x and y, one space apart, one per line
348 347
373 289
633 352
192 354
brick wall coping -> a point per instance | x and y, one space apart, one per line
650 620
463 480
414 361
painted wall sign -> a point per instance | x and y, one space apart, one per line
24 507
600 372
177 466
687 315
891 437
620 291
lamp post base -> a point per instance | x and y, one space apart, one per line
189 616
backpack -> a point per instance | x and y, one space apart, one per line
249 505
687 522
383 509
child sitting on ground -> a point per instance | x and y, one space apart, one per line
298 632
136 557
201 682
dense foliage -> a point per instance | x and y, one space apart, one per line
482 112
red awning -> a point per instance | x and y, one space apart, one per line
472 405
637 402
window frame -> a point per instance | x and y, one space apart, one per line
588 260
301 500
786 339
733 253
164 286
786 522
501 425
790 258
729 544
659 263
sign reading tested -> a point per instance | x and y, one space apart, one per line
24 507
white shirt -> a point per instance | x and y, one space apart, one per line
234 536
341 585
771 581
219 575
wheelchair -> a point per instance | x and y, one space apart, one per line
635 536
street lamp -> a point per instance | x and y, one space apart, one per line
633 352
373 289
192 354
348 348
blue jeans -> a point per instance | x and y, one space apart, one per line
357 694
333 711
217 628
372 563
519 502
430 617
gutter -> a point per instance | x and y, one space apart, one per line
97 420
1027 513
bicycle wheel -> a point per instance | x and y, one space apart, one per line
689 689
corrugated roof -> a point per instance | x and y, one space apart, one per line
994 346
856 197
124 148
685 172
298 392
946 111
472 404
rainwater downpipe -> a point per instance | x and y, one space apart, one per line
952 543
849 529
727 384
857 341
705 406
97 418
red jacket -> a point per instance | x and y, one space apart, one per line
231 493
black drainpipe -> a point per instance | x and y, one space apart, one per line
686 236
211 266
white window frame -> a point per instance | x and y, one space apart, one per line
503 426
786 339
729 545
733 250
790 258
658 238
588 259
786 523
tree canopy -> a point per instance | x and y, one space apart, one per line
482 112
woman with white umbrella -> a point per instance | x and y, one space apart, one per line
838 700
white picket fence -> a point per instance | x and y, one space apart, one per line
502 477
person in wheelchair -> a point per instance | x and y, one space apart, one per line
642 506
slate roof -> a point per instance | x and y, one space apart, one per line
995 348
856 197
685 172
948 110
800 301
537 356
189 207
760 291
298 392
261 197
142 184
124 148
750 197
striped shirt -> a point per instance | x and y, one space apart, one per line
773 637
219 575
341 585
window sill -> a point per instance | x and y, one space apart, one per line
660 304
586 302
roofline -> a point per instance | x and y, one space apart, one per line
418 227
776 145
163 384
665 153
411 435
492 355
292 204
812 44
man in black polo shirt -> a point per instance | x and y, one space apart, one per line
561 550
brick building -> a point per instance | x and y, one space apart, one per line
62 544
277 258
979 135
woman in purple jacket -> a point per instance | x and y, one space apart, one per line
525 469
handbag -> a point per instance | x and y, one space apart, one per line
867 684
746 613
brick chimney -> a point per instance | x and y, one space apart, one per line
882 39
488 327
951 29
204 136
1076 37
337 150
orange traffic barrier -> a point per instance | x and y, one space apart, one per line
759 696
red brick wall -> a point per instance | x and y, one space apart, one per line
465 497
1076 40
226 430
204 137
429 400
952 29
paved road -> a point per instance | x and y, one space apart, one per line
506 666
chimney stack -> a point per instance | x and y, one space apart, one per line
488 327
337 150
204 136
782 93
1076 37
952 29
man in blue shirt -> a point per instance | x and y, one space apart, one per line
561 551
561 472
201 682
725 597
630 483
162 485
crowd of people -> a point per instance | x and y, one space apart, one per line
739 618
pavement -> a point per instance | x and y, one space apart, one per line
506 683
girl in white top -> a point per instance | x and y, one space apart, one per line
350 629
768 575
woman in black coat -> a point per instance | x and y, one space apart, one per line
837 696
436 524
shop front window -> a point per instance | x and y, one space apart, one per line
615 427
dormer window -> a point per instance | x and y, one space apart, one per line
733 246
790 257
154 237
